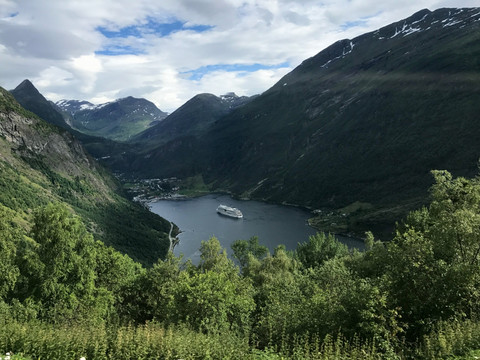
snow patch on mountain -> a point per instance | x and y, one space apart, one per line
454 18
234 101
406 29
73 106
345 52
87 107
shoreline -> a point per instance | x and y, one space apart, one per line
326 220
351 235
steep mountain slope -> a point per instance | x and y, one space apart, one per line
365 120
192 119
171 142
30 98
40 163
117 120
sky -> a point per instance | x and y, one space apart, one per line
167 51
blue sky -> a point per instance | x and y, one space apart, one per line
197 74
168 51
151 27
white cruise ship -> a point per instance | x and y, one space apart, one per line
229 211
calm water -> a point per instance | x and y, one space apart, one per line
273 224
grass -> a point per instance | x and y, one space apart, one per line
10 356
152 341
35 340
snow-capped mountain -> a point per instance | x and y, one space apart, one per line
116 120
73 106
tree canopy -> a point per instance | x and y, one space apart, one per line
393 293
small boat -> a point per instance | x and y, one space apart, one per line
229 211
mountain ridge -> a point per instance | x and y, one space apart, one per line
115 120
192 118
30 98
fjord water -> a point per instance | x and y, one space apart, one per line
273 224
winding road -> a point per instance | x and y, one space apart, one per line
172 240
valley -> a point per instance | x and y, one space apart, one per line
357 174
363 121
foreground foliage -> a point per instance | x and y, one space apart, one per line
65 295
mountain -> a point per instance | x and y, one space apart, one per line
30 98
117 120
193 118
171 142
362 122
74 106
42 163
67 108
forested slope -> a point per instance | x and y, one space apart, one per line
41 163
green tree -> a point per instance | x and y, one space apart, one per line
115 276
242 248
66 252
213 256
114 270
212 296
10 237
454 218
320 248
212 301
279 299
432 268
151 296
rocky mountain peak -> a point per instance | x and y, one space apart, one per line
28 91
32 137
117 120
31 99
26 85
229 95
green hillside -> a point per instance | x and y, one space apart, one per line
41 163
366 127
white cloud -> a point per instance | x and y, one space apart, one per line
58 46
